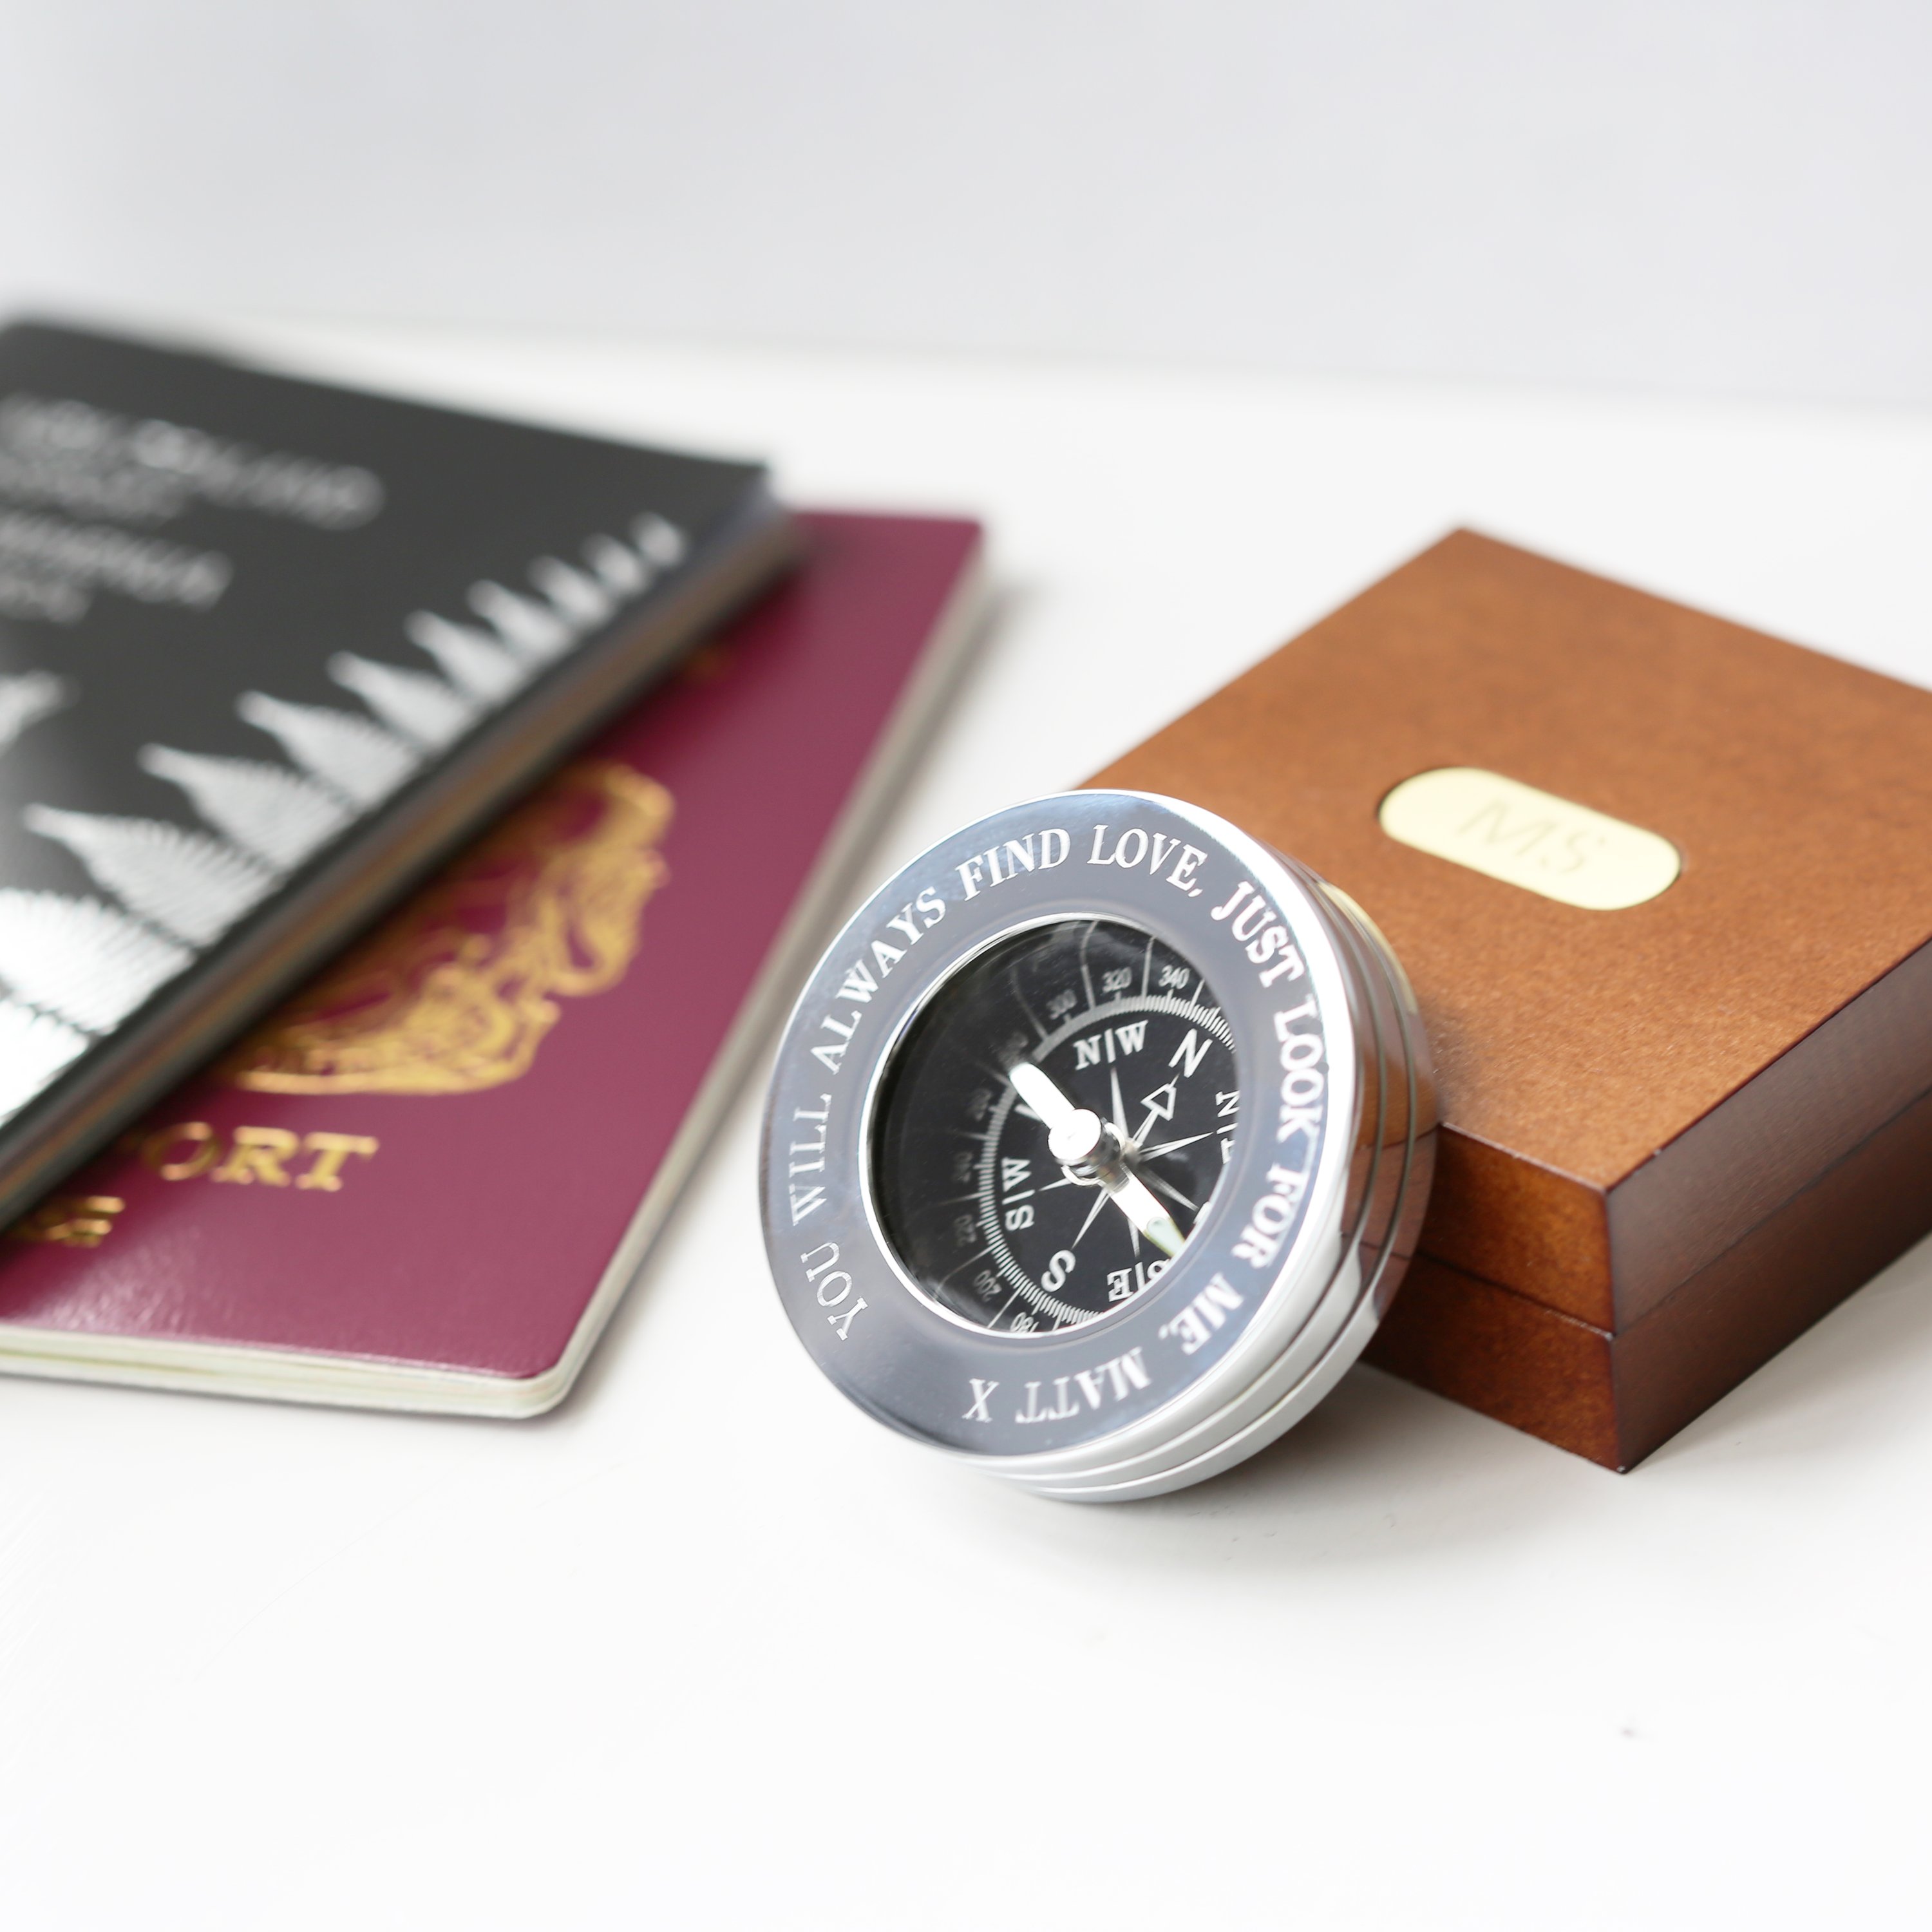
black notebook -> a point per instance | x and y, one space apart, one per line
268 649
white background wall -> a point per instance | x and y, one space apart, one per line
1706 195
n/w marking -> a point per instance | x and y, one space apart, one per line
1110 1044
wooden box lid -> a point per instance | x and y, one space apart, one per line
1625 1094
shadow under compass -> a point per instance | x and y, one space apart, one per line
1381 1473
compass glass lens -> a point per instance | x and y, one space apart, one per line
1091 1034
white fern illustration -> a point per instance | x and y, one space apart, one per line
533 631
475 662
77 966
358 759
28 697
34 1048
192 886
574 595
619 569
265 809
411 703
663 545
81 960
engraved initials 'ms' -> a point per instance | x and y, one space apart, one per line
1546 844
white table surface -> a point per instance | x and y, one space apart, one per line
707 1648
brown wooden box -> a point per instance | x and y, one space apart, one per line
1674 1135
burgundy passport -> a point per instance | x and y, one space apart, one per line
425 1182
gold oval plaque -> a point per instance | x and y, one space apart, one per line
1530 838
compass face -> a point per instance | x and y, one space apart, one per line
986 1219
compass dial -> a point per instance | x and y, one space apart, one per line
1053 1125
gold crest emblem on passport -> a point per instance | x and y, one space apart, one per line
456 992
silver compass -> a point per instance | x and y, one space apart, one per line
1097 1144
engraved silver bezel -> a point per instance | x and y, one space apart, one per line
1146 1397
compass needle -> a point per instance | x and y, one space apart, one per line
1037 1089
